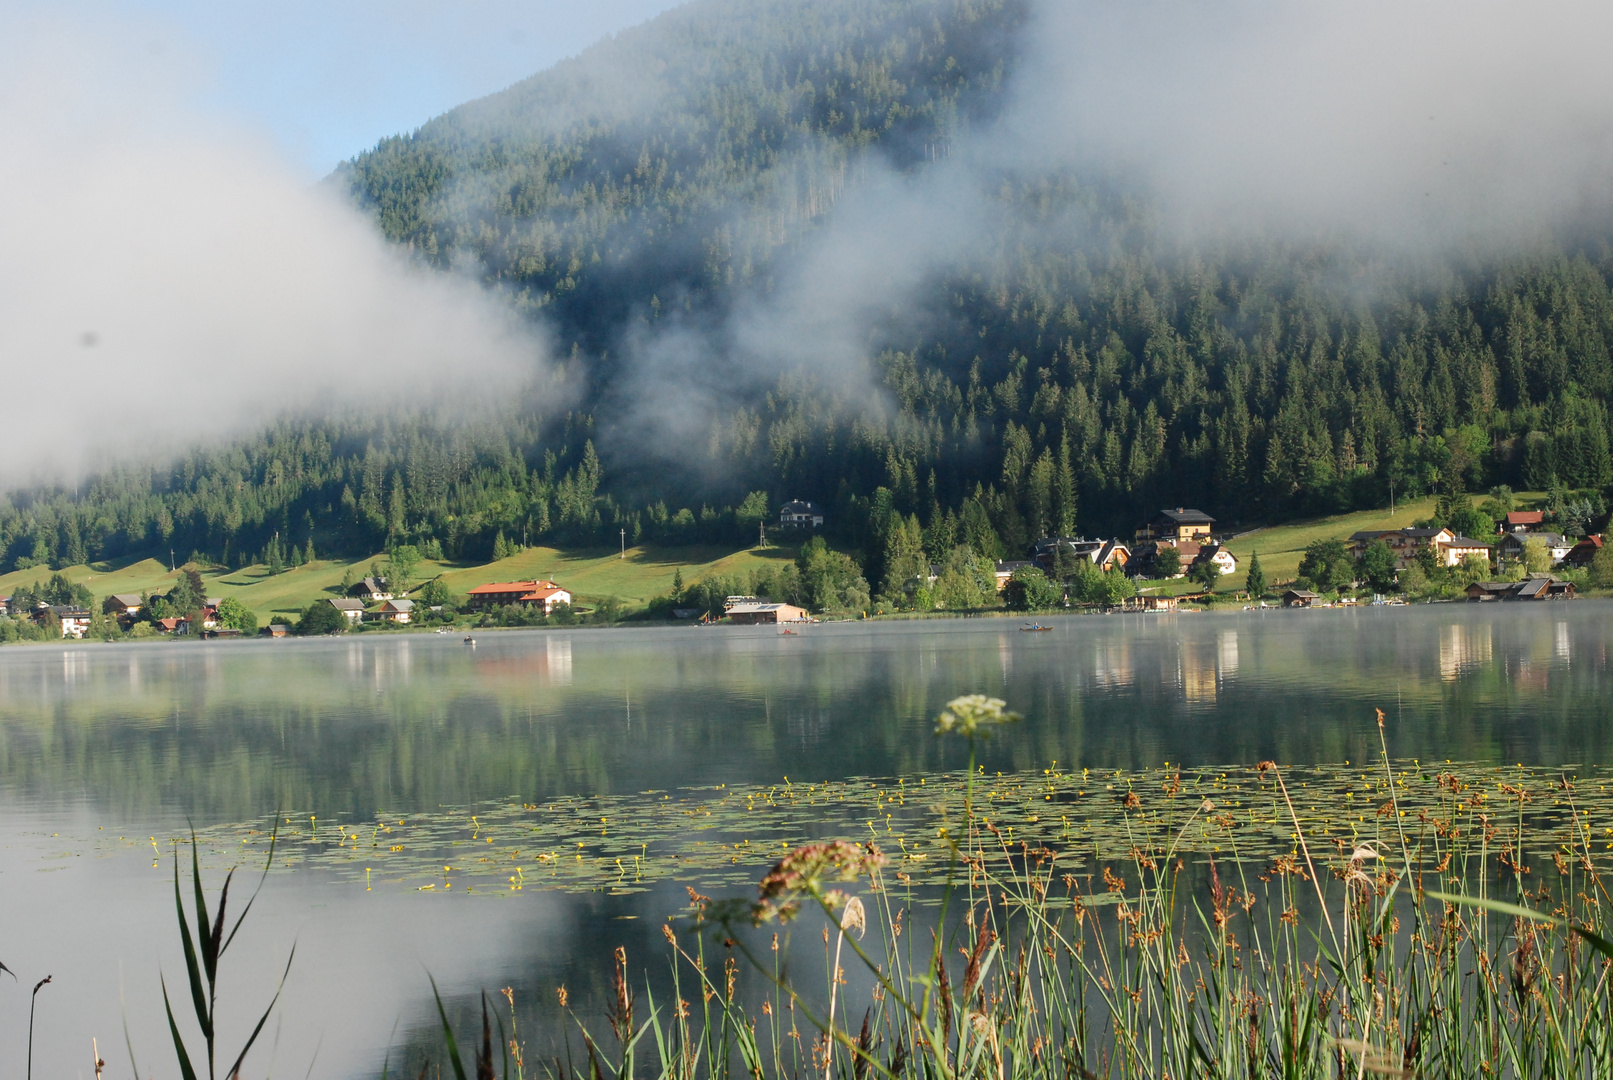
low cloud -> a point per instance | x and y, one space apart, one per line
1399 124
166 278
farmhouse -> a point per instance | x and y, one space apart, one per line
396 611
123 605
1217 554
1458 548
352 609
1512 544
1005 570
756 612
1103 554
1582 553
75 620
800 515
370 590
526 593
1523 521
1175 526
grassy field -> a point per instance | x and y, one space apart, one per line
1282 546
591 575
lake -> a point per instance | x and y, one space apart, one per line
108 752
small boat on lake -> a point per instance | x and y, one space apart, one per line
1034 628
470 640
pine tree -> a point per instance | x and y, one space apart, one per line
1256 583
501 547
308 552
677 585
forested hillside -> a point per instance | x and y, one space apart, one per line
1073 371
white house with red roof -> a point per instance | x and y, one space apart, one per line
527 593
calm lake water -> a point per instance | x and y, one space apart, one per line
107 751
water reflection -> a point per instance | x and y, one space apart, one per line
130 740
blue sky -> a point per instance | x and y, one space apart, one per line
326 79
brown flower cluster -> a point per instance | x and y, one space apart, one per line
807 870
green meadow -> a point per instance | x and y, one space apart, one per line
591 575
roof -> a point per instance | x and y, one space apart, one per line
1592 541
1420 532
128 599
1303 593
68 611
1493 586
1534 586
278 626
1525 517
399 605
497 587
544 591
1372 534
800 506
1466 541
1187 517
1008 566
344 604
751 609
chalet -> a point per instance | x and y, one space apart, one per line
1453 551
1523 521
1405 543
275 630
210 612
75 620
1005 570
1512 544
170 625
1152 602
1536 587
526 593
396 611
752 613
125 606
5 605
800 515
1582 553
1177 525
1218 554
1104 554
353 610
370 590
1300 598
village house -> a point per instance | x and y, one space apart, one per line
395 611
1004 570
1218 554
5 605
1407 544
1452 552
171 625
75 620
370 590
1177 526
756 612
524 593
800 515
1582 553
1511 545
275 630
1104 554
353 610
1536 587
124 606
1300 598
1522 521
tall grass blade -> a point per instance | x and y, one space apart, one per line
1597 942
198 992
186 1072
256 1031
447 1032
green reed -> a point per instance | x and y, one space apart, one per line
1331 959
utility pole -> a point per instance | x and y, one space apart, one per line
761 534
1391 496
170 560
624 543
